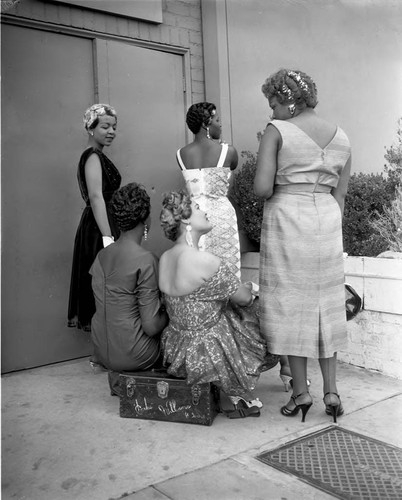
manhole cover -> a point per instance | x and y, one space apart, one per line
343 463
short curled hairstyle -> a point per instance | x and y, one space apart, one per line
200 114
92 114
130 205
176 206
291 86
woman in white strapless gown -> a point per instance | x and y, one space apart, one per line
206 166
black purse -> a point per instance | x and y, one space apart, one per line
353 302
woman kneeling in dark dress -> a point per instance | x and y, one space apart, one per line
129 314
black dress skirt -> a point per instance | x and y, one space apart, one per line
88 242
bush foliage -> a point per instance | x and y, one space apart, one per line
249 206
367 198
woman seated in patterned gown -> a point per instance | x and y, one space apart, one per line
213 333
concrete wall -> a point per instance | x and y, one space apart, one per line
352 49
375 335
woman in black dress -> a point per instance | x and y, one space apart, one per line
98 179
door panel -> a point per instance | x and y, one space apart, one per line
47 81
146 87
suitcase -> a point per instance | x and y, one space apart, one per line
155 395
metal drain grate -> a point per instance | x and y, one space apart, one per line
343 463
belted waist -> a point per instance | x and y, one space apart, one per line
303 188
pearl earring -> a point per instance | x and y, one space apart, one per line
208 136
145 232
189 239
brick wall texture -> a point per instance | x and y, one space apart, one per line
181 27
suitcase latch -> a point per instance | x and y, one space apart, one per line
130 386
162 388
196 394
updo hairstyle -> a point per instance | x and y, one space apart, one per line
130 205
176 206
291 86
200 114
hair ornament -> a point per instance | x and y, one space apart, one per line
95 111
285 90
300 82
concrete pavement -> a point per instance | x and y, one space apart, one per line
62 438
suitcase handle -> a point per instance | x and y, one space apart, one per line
130 387
196 394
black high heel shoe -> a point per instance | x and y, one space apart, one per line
304 407
336 410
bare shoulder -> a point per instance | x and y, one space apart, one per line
271 136
188 150
165 259
232 152
93 161
232 158
204 264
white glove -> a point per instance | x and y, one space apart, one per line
107 240
253 287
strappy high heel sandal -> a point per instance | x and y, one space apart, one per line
304 407
288 381
250 403
336 410
243 408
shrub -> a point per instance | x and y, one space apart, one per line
393 156
367 198
370 218
249 207
389 224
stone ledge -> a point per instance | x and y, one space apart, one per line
378 281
